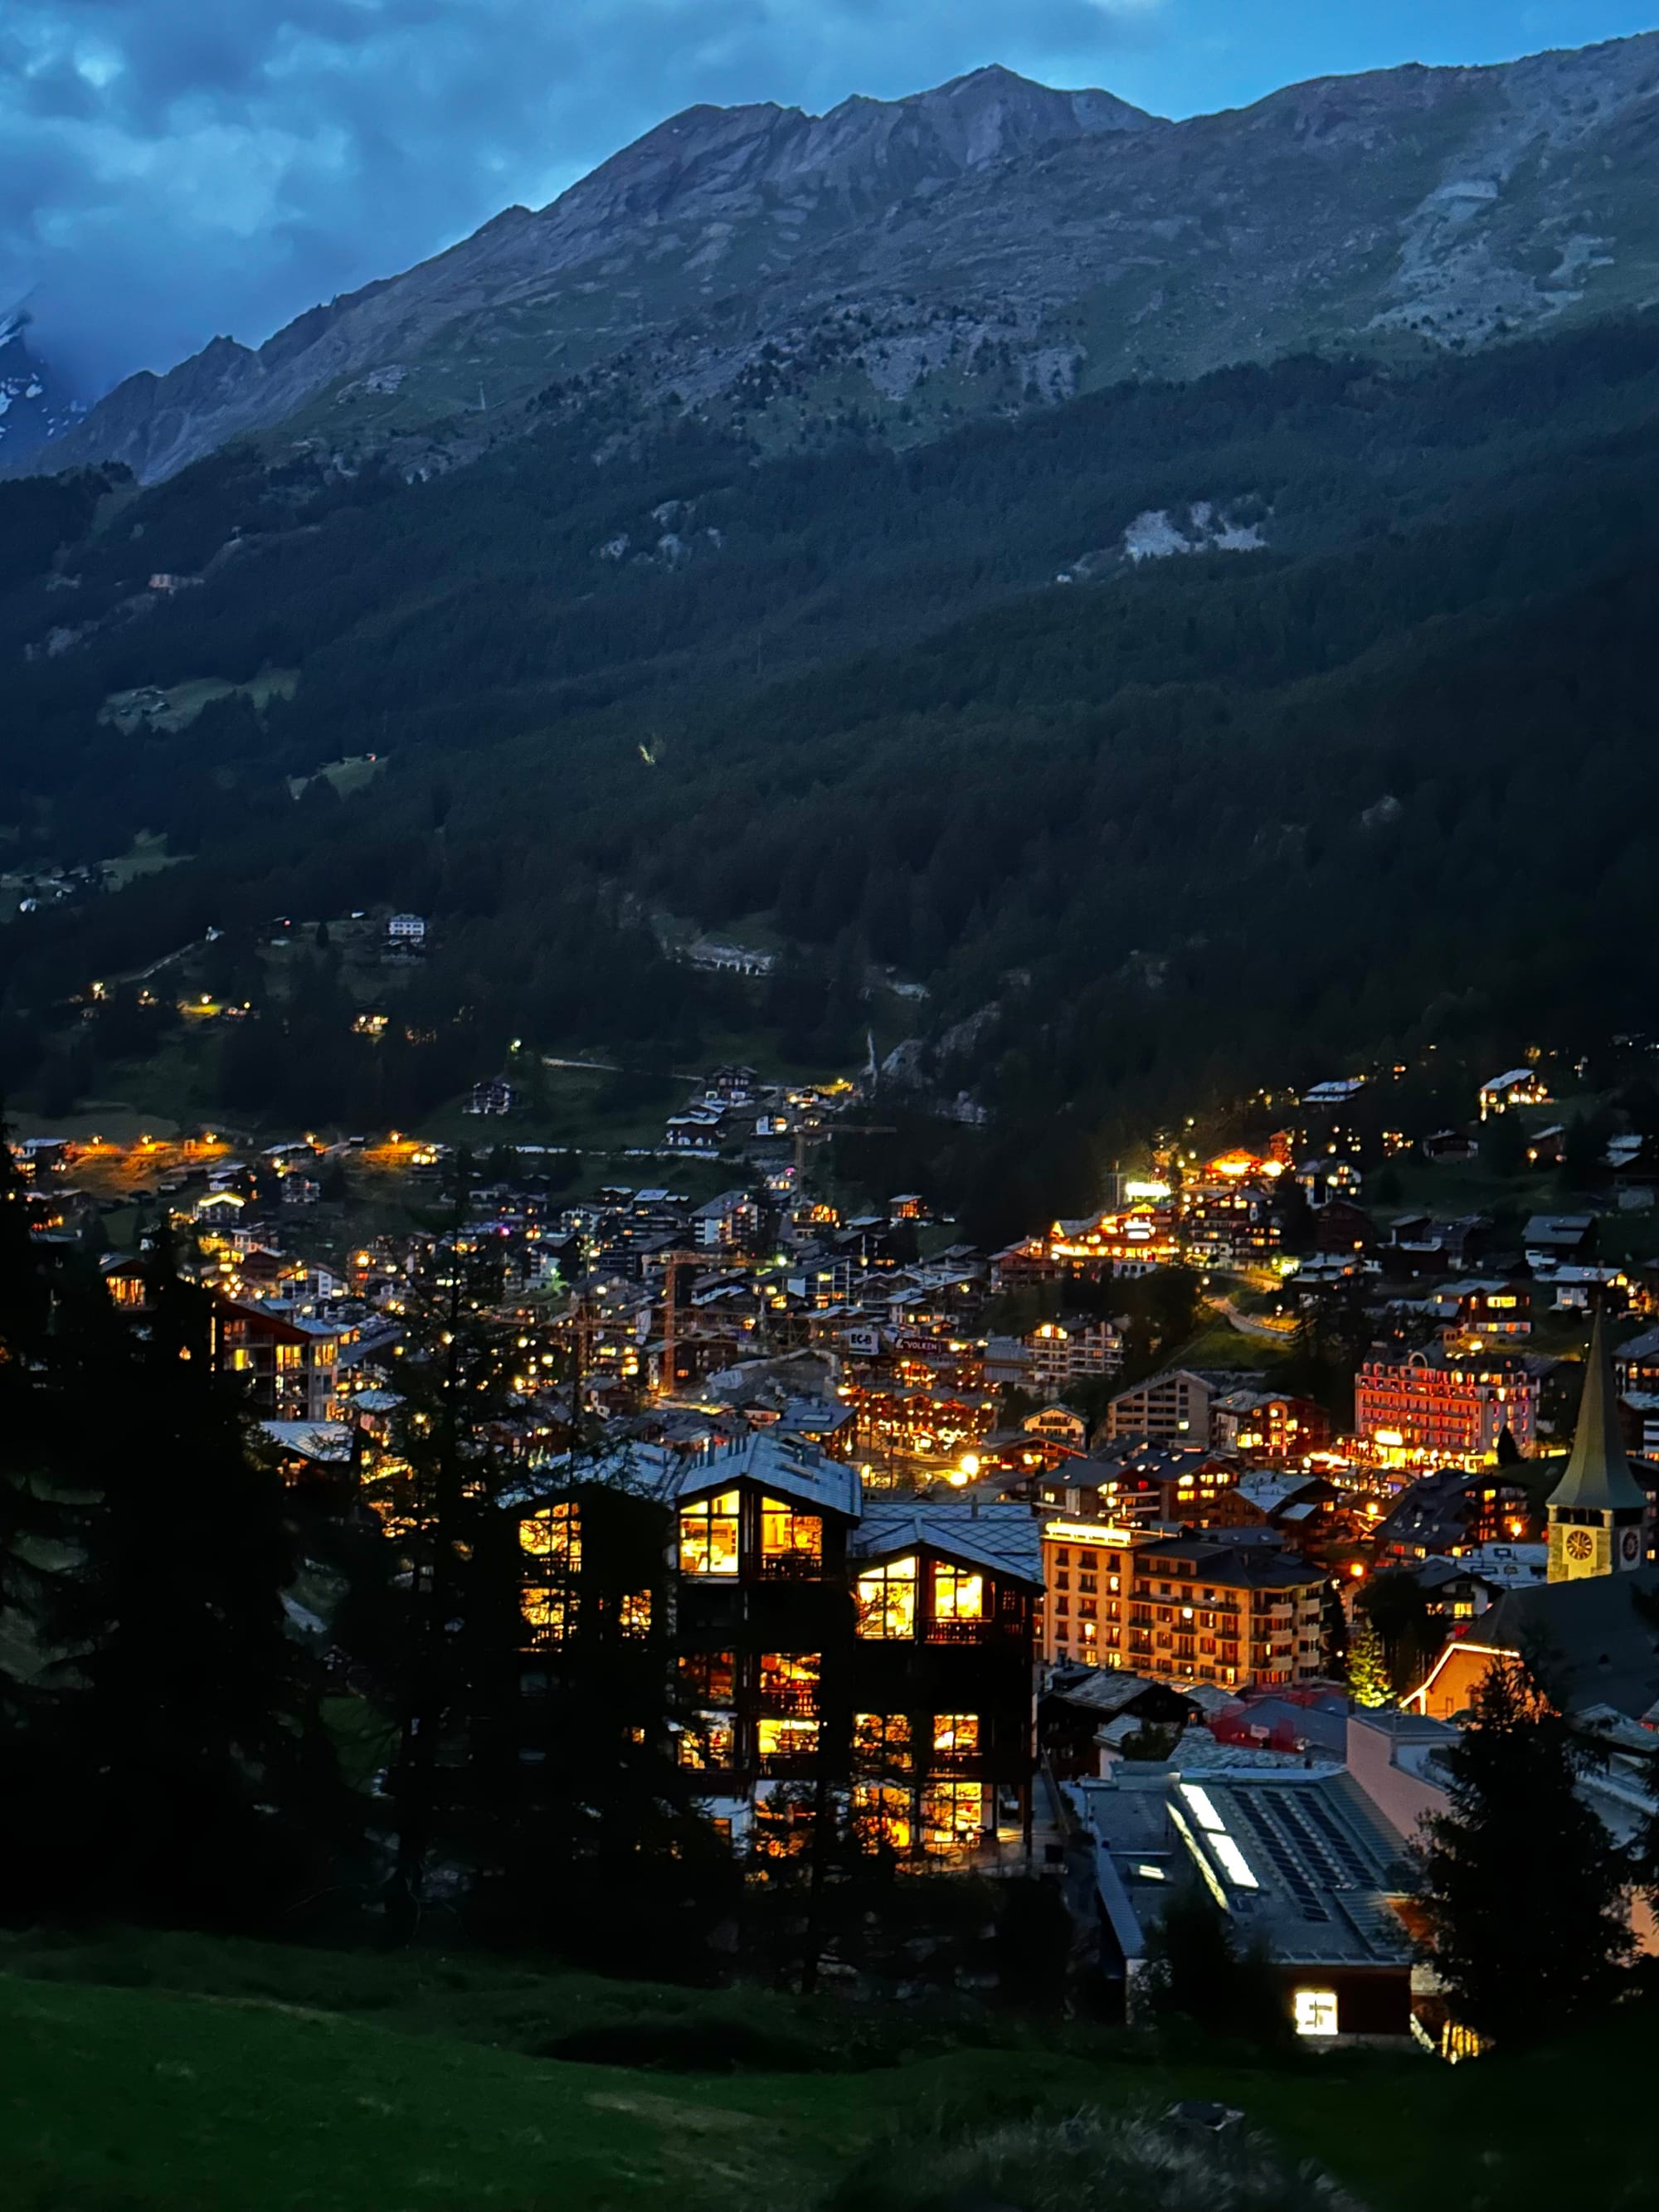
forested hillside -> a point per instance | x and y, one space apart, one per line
1203 819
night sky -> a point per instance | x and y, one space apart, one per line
173 169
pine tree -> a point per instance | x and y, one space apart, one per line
602 1850
1368 1668
25 1514
441 1673
204 1790
25 1312
1333 1633
1199 1974
1523 1893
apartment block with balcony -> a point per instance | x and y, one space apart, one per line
288 1362
947 1600
1080 1349
884 1647
1087 1578
1172 1409
1182 1608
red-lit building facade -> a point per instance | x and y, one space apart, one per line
1435 1406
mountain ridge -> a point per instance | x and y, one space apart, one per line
978 246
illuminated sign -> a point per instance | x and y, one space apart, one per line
1088 1532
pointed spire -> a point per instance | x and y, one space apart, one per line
1598 1478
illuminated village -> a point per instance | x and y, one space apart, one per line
1103 1578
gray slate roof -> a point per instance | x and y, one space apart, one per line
1007 1539
1588 1639
1302 1857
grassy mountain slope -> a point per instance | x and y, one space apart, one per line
261 2078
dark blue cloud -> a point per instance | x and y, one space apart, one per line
172 169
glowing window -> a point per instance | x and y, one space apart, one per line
709 1676
549 1612
1315 2012
708 1535
789 1536
1234 1863
956 1732
709 1741
887 1601
958 1594
951 1814
553 1534
789 1680
787 1739
634 1614
1200 1802
882 1739
881 1815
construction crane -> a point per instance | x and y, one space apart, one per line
672 1261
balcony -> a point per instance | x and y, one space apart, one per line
788 1567
959 1763
971 1631
789 1701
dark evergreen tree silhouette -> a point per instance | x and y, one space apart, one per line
1199 1976
1523 1893
204 1790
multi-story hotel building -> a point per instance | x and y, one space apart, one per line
1441 1406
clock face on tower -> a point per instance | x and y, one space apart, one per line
1580 1543
1630 1543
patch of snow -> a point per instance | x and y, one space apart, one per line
1155 535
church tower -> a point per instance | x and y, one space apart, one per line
1598 1511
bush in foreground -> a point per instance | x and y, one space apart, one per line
1087 2162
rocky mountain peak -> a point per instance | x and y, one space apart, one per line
984 246
863 144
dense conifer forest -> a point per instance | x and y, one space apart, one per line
1167 826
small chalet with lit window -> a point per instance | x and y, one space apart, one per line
288 1361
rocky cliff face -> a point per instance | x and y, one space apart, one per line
36 404
981 246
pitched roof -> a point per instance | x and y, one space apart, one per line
1268 1493
1224 1559
1005 1539
1598 1478
784 1466
326 1443
1587 1639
